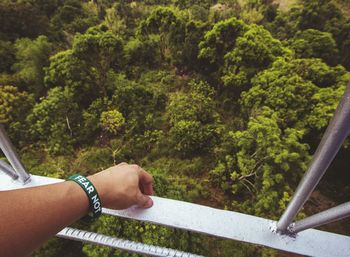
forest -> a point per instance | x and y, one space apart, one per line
223 102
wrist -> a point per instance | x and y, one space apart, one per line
99 187
77 196
90 190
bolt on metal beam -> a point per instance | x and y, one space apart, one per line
9 150
333 214
337 131
7 169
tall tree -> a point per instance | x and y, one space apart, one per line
219 41
261 164
14 108
21 19
164 21
254 51
86 66
55 121
194 121
31 58
314 43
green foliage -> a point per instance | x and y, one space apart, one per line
39 162
255 50
223 101
55 120
92 159
323 16
260 164
50 249
71 17
138 102
186 57
313 43
21 19
193 119
325 101
316 14
14 107
284 26
13 104
67 70
142 53
288 88
252 11
219 41
166 23
92 116
316 71
192 138
114 22
288 95
7 56
32 56
86 66
101 51
196 105
112 121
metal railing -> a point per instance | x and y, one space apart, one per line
219 223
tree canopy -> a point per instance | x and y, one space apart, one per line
224 102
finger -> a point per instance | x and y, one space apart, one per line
122 163
143 201
146 182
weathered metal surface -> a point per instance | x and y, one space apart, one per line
221 223
11 155
117 243
337 131
336 213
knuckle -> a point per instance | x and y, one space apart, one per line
135 167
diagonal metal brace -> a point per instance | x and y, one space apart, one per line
9 151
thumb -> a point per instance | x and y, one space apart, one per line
143 201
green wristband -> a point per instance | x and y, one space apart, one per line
91 192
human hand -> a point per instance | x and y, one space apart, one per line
123 185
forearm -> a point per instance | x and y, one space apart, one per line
30 216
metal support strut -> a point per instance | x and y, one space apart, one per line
7 169
9 150
337 131
336 213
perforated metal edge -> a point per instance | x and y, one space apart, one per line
121 244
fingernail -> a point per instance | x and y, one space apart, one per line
149 203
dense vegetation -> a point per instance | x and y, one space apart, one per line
223 101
